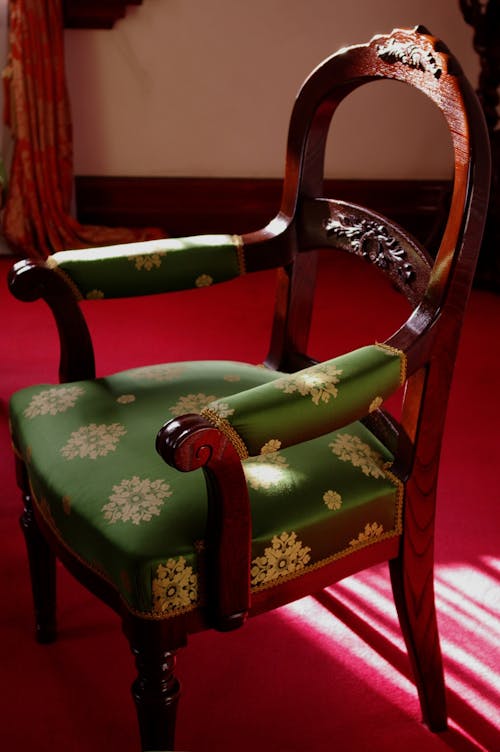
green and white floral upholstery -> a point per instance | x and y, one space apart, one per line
110 498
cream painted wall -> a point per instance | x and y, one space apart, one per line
205 88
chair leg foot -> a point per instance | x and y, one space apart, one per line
156 690
414 598
42 564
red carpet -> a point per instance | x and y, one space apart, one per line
297 680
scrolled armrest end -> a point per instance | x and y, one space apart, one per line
190 442
27 280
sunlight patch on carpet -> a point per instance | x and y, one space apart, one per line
468 602
369 639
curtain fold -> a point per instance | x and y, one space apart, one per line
37 218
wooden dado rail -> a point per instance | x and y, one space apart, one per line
94 14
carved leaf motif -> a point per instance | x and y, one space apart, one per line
412 55
372 241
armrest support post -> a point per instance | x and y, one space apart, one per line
30 281
188 443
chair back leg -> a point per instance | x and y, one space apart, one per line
413 590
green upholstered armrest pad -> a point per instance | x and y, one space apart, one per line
312 402
151 266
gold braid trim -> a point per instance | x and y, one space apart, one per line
400 490
229 432
238 242
51 263
400 354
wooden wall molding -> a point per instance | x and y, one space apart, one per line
94 14
190 206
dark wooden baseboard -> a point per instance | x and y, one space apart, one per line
94 14
190 206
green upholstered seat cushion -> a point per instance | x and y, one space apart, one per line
98 481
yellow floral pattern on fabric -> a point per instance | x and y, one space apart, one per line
271 446
371 532
284 556
332 499
149 262
126 399
351 449
55 400
93 441
265 470
175 586
161 372
319 382
222 409
136 500
95 295
192 403
204 280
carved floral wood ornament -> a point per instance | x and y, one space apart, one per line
371 240
406 52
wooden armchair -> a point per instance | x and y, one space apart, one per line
293 474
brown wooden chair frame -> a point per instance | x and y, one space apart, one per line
437 290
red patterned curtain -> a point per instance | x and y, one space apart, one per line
37 217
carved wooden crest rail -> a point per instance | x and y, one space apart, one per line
94 14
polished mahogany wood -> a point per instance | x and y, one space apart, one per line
193 443
156 690
32 280
437 287
42 564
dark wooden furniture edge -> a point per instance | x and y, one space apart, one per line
94 14
484 18
191 206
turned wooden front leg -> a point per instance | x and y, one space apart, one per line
156 690
42 565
